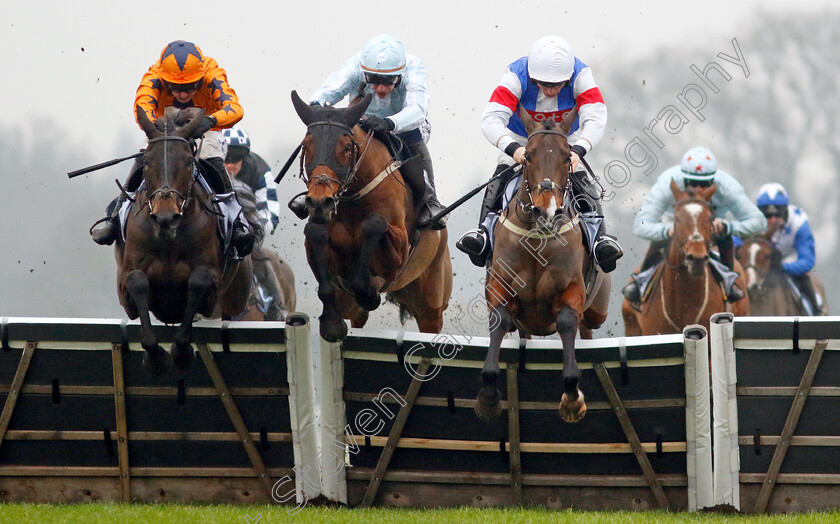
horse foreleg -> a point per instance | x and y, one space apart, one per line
332 326
488 403
156 360
572 403
199 285
374 228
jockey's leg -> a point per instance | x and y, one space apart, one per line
638 281
213 168
603 248
806 287
727 258
106 230
476 243
268 280
421 178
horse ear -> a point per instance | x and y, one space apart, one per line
568 120
530 123
147 125
707 192
303 110
675 189
351 115
188 130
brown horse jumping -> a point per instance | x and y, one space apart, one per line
360 219
685 291
172 262
770 292
535 281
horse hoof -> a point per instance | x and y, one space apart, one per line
157 361
182 355
488 406
333 331
572 410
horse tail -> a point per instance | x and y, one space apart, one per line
405 314
246 198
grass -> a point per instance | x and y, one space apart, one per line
184 513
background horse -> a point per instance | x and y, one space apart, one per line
360 232
770 292
172 262
535 281
684 291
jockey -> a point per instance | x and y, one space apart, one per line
790 231
250 168
183 77
400 106
698 168
549 82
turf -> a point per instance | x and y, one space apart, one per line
183 513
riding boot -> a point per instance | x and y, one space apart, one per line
476 243
106 230
419 175
603 248
632 291
727 257
219 180
298 206
268 280
806 287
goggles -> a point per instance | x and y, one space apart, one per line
234 155
382 80
184 88
690 182
550 85
773 211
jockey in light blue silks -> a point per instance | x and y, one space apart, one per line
548 83
400 105
789 230
698 168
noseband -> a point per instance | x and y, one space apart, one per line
326 135
165 191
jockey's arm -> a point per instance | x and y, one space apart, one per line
271 202
805 250
592 111
228 111
340 83
748 220
648 222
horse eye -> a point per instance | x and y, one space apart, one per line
528 156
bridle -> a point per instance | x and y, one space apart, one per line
326 134
546 184
165 191
684 241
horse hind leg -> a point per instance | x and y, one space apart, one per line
374 228
156 360
198 288
488 403
572 403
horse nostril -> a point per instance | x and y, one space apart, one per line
329 201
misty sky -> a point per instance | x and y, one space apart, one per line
77 68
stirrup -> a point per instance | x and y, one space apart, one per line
632 293
104 231
606 260
735 294
476 245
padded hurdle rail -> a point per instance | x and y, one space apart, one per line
400 429
82 420
778 448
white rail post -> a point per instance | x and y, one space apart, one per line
727 462
698 426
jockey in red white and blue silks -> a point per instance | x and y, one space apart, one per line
503 127
548 83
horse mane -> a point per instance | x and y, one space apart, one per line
246 198
174 118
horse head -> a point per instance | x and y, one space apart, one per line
168 166
547 165
692 238
761 262
330 153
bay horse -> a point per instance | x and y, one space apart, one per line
360 232
172 262
535 281
771 294
684 291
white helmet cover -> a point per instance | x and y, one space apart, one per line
551 60
383 55
699 163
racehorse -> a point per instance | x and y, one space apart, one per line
360 237
771 294
684 291
172 262
535 281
